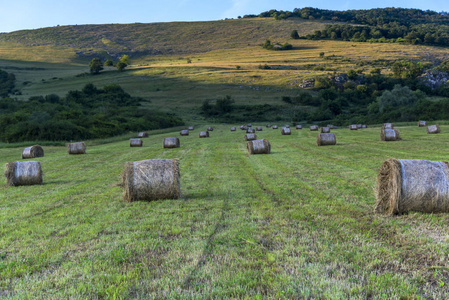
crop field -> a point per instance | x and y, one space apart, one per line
297 223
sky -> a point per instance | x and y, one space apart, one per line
33 14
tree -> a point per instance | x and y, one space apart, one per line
124 59
294 34
95 66
109 63
121 66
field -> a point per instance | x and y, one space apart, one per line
298 223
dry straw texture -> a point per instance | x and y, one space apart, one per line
151 179
389 135
313 128
285 131
171 142
325 130
259 128
405 185
135 143
143 134
326 139
76 148
298 126
32 152
210 128
233 129
190 128
250 137
184 132
422 123
258 147
432 129
204 134
23 173
353 127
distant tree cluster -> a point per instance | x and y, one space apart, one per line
412 26
96 65
7 83
276 46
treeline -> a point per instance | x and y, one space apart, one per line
382 25
89 113
7 83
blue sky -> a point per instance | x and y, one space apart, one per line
31 14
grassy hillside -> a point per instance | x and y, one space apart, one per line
297 223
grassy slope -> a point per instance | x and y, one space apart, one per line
297 223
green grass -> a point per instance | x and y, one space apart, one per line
297 223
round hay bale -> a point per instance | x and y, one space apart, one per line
287 126
250 137
326 139
422 123
135 143
249 125
171 142
285 131
364 126
151 179
258 147
190 128
275 127
32 152
359 126
332 126
243 127
210 128
268 125
233 129
298 127
250 130
23 173
325 130
313 128
76 148
204 134
259 128
143 134
353 127
433 129
389 135
184 132
405 185
388 125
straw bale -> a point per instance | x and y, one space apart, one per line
326 139
268 125
23 173
274 127
422 123
332 126
190 128
204 134
249 125
76 148
210 128
233 129
143 134
258 147
325 130
250 130
259 128
433 129
298 127
359 126
151 179
135 143
313 128
285 131
243 127
353 127
171 142
250 137
388 125
364 126
184 132
287 126
405 185
32 152
389 135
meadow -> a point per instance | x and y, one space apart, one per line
297 223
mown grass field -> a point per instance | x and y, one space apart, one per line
298 223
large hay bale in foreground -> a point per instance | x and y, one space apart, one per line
258 147
76 148
151 179
325 130
171 142
32 152
298 127
135 143
313 128
422 123
433 129
143 134
250 130
210 128
389 135
190 128
353 127
286 131
388 125
233 129
274 127
250 137
259 128
184 132
405 185
204 134
326 139
23 173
